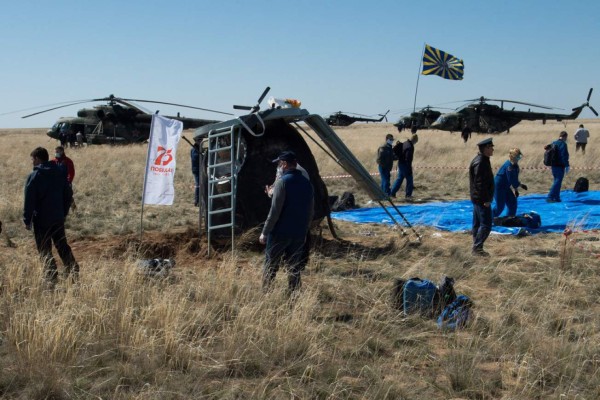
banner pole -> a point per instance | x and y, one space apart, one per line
418 76
146 179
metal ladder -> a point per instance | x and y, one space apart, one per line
222 155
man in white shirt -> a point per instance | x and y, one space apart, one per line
581 138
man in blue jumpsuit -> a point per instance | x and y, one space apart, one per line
48 198
288 222
481 188
505 181
559 167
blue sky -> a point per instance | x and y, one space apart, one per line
354 56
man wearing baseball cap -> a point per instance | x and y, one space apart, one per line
481 188
288 222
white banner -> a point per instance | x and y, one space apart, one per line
160 165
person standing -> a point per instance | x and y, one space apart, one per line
288 222
385 162
79 137
466 133
63 136
47 200
481 188
195 160
560 166
581 138
400 125
505 181
405 169
64 163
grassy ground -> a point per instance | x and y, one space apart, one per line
209 332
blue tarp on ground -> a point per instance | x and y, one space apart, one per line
579 209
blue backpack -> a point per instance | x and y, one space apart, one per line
456 314
420 296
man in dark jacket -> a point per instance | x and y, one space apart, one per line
559 168
385 162
285 229
48 197
405 154
481 187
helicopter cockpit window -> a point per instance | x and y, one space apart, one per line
441 120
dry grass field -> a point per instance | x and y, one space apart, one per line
208 332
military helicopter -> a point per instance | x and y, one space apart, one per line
482 117
421 119
117 122
343 119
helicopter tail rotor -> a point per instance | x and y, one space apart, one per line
587 103
384 116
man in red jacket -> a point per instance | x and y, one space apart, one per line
65 163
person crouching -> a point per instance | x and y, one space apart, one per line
507 179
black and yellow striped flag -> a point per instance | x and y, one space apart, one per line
438 62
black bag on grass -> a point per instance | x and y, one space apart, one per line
527 220
581 185
346 202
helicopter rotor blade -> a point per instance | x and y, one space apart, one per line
484 99
242 107
594 111
590 95
262 96
527 104
56 108
172 104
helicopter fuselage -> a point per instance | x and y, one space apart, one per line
418 120
490 118
341 119
112 124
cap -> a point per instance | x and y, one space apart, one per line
286 156
486 142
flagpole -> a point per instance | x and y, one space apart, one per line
418 76
146 180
